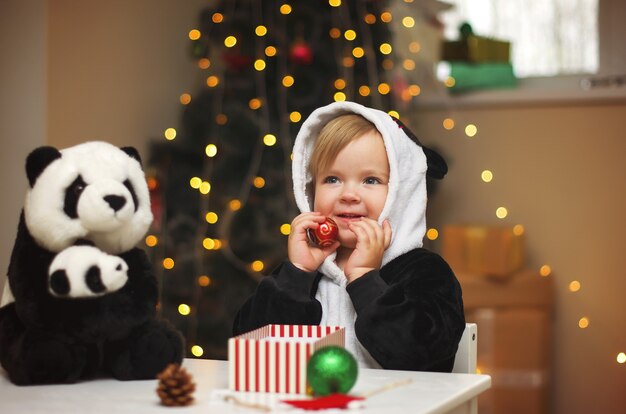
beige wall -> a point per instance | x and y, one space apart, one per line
560 172
115 69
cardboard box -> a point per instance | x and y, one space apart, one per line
274 358
483 250
514 347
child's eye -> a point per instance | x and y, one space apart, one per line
331 180
372 180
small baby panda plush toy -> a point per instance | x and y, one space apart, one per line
81 297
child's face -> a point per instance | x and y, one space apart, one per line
355 185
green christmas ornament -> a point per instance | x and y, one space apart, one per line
330 370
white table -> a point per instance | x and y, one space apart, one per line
426 393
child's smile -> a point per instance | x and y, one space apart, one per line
355 185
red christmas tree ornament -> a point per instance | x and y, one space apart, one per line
301 53
325 234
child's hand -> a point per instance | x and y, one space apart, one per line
301 253
371 242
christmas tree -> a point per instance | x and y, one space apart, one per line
221 182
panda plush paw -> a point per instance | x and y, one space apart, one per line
86 271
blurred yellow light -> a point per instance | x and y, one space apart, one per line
448 123
471 130
185 98
370 18
152 183
348 61
151 240
211 150
408 22
168 263
385 48
208 243
340 84
170 134
334 3
218 244
257 265
255 103
285 9
387 64
432 234
415 90
405 95
349 34
339 96
395 114
386 16
334 33
545 270
486 176
501 212
221 119
260 30
194 34
212 81
518 230
415 47
259 64
295 116
217 17
384 89
195 182
197 351
269 140
234 204
204 280
184 309
358 52
364 90
621 358
270 51
449 82
205 187
285 229
288 81
204 63
408 64
583 322
230 41
574 286
211 217
258 182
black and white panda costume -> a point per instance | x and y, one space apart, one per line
81 297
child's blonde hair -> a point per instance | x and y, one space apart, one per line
334 137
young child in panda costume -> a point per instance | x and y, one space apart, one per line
401 304
81 297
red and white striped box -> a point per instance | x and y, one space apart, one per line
274 358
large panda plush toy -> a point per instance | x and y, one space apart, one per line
81 296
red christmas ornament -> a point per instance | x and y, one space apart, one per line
325 234
301 53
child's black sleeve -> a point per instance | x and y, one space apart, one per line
287 296
410 313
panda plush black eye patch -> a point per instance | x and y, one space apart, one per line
131 190
72 194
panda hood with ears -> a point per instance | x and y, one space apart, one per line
93 191
409 163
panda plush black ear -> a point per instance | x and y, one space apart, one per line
436 165
132 152
38 160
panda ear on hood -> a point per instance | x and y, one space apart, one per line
436 165
38 160
133 153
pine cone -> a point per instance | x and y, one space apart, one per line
176 386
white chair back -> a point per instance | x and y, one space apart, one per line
465 359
